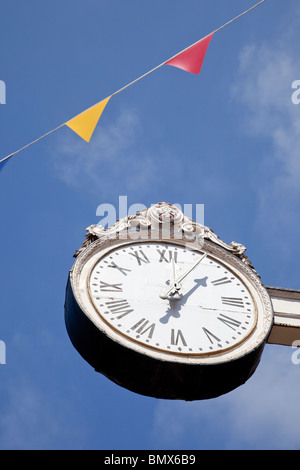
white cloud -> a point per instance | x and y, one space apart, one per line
264 89
262 414
96 164
29 422
116 157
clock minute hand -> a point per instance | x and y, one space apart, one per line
173 273
175 284
175 288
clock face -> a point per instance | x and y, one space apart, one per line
170 298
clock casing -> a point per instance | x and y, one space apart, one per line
198 342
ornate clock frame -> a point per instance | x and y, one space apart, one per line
134 367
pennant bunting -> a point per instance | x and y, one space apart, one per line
191 59
85 123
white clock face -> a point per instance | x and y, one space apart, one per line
171 298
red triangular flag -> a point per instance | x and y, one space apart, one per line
191 59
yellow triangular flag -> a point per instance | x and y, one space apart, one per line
84 124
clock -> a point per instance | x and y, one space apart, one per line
161 306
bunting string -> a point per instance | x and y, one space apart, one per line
189 59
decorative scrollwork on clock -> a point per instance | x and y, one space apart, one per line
164 217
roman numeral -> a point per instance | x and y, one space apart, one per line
140 257
105 287
142 327
122 270
230 322
175 338
211 336
234 301
171 256
222 280
120 307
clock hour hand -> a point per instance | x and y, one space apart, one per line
192 268
172 292
175 288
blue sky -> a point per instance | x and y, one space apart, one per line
228 138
